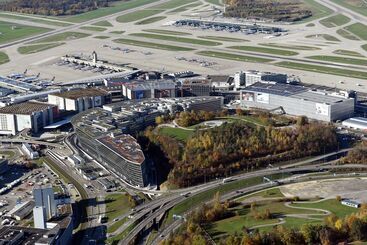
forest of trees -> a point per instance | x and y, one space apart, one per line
52 7
334 230
236 146
358 155
277 10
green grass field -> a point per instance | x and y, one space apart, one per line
318 11
101 37
327 37
358 29
117 32
116 205
160 31
31 18
269 193
337 59
92 28
236 57
4 58
151 20
184 8
137 15
65 36
359 6
103 23
6 154
292 47
172 4
114 8
116 225
31 49
364 47
347 52
11 32
335 20
176 39
323 69
331 205
151 45
177 133
245 219
347 34
216 2
265 50
224 39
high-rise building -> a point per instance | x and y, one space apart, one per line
44 197
39 217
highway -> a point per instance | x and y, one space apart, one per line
151 215
77 25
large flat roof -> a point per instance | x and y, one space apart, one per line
294 91
124 145
26 108
80 93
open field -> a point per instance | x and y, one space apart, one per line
137 15
101 37
364 47
224 39
114 8
150 20
151 45
11 31
268 193
335 20
347 34
292 47
176 39
103 23
216 2
347 52
184 8
331 205
323 69
358 29
116 205
237 57
65 36
327 37
31 49
160 31
30 18
173 4
117 32
337 59
244 218
4 58
358 6
93 28
177 133
265 50
318 11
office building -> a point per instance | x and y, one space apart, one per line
27 115
27 149
252 77
299 101
39 217
79 100
44 197
194 87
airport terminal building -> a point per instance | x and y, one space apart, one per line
299 101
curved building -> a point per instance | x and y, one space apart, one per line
107 144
